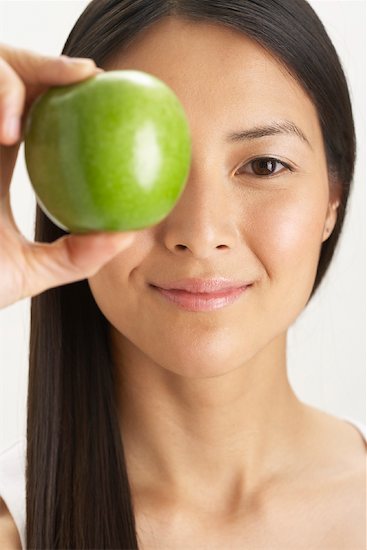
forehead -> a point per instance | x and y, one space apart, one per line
223 78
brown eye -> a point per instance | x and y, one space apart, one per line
265 166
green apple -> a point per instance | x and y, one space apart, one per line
110 153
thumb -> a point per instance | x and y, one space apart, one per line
74 257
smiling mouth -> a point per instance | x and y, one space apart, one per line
207 301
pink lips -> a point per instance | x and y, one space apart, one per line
198 285
201 301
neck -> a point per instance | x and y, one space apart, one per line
204 437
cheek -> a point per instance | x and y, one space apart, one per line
109 297
289 229
110 286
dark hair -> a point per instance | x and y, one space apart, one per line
77 487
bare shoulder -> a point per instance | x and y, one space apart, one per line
9 536
335 453
349 508
337 479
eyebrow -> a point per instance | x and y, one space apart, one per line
278 127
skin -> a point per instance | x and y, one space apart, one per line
212 430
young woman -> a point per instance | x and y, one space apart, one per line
160 415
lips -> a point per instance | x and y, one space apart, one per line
203 286
201 301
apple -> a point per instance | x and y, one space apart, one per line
110 153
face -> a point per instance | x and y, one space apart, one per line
258 221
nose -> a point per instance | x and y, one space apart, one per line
203 222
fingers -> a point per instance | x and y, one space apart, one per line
85 254
24 75
71 258
8 156
38 69
12 96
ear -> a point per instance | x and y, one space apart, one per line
331 218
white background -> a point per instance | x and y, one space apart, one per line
326 346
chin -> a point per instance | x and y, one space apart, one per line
201 361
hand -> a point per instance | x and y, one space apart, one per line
28 268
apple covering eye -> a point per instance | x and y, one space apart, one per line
110 153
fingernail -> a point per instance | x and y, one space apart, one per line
78 60
12 124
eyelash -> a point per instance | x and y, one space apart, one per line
267 159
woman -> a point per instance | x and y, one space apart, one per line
163 418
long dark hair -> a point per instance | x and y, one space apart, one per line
77 488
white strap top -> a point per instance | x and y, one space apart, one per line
12 483
12 478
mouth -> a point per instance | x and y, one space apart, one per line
200 301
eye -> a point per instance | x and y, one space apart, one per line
265 166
